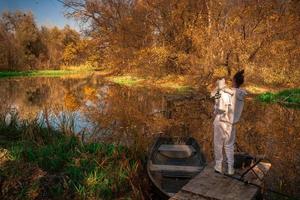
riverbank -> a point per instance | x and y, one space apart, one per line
48 73
174 83
41 163
288 97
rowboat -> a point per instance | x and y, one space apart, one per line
172 162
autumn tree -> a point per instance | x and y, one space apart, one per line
25 46
7 58
194 36
26 37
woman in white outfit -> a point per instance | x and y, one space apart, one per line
228 108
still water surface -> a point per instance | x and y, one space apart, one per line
102 110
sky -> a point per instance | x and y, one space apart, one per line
46 12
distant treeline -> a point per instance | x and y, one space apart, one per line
25 46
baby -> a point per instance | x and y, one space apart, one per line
221 93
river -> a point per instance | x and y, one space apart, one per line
100 110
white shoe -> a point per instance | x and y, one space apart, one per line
218 169
230 170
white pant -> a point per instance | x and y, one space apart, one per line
224 135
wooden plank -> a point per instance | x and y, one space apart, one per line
189 169
176 151
183 195
176 147
217 186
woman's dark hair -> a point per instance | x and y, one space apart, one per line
239 77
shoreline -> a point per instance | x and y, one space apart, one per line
180 84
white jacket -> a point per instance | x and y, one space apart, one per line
229 103
234 106
222 103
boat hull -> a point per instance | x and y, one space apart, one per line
172 162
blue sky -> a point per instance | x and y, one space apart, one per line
46 12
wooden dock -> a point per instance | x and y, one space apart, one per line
210 185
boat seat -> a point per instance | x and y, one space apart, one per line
174 168
171 194
176 150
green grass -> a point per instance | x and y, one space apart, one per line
290 97
125 80
181 88
38 162
42 73
103 172
130 81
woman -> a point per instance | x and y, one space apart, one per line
228 108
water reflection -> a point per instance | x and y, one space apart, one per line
132 115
